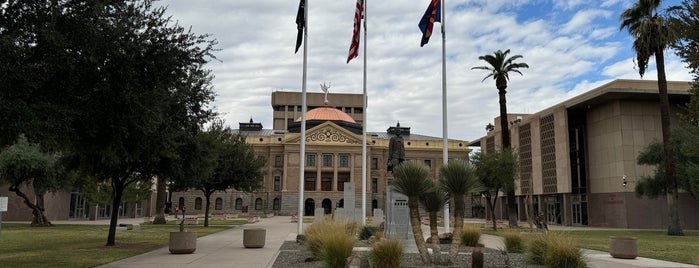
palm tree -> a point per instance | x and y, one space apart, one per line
500 67
651 36
433 202
411 180
458 178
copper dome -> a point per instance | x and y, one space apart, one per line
327 114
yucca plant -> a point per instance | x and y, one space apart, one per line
411 180
433 202
386 253
458 178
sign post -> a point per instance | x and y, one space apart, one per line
3 207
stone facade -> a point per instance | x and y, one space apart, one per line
575 155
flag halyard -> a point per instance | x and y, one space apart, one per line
354 45
432 14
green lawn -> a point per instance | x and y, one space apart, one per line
651 244
84 245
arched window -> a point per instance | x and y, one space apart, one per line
219 204
276 204
180 202
197 203
258 204
238 203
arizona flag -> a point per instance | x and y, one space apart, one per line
300 23
432 14
354 46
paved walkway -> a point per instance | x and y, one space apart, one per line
225 249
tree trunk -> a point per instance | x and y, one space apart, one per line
434 234
118 188
417 230
674 227
506 144
458 227
38 219
491 206
160 200
207 195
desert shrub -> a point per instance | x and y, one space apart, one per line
536 249
513 242
318 233
376 237
367 232
470 236
386 253
335 249
563 252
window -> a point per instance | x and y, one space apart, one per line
327 160
374 185
278 160
258 204
197 203
238 203
428 163
310 160
218 204
276 204
341 183
277 183
374 163
279 108
309 184
326 184
298 108
358 110
290 108
344 160
348 110
180 203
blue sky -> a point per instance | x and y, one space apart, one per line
570 46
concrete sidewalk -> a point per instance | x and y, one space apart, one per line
225 249
222 249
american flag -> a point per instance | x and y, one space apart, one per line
354 46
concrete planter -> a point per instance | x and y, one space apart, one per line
623 247
183 242
254 237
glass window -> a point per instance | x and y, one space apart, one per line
374 185
180 202
309 184
278 160
344 160
341 183
197 203
327 160
238 203
290 108
276 204
218 204
277 183
358 110
374 163
326 184
258 204
311 160
279 108
428 162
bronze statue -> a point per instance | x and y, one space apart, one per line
396 150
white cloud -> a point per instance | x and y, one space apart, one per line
404 81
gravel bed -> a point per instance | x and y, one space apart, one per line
292 254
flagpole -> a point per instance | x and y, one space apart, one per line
302 146
445 142
364 103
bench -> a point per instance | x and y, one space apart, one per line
253 219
